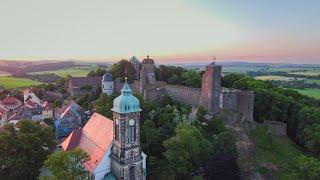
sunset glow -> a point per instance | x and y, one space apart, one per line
169 30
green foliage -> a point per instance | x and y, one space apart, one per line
99 72
22 152
179 76
271 151
304 167
104 104
48 121
201 112
271 103
83 101
67 165
187 150
123 69
57 103
309 129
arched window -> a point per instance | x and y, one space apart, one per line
132 173
117 131
131 131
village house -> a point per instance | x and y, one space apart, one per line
78 86
68 118
11 103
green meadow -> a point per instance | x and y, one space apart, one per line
80 71
275 78
9 82
310 92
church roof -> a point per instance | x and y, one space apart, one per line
107 77
148 61
126 102
95 138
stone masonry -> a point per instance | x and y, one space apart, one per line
233 104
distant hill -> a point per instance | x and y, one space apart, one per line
22 67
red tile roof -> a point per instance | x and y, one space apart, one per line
95 138
11 101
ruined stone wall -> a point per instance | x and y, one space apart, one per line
187 95
245 103
277 128
237 104
228 100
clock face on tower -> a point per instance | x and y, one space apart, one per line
131 122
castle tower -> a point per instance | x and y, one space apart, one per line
211 88
136 65
107 84
127 161
147 75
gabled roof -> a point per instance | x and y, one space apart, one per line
82 81
95 138
11 101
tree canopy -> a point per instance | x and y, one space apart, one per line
67 165
22 152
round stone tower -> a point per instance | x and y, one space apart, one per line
107 84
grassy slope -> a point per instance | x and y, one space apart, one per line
11 82
277 151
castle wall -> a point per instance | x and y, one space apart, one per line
237 104
246 104
187 95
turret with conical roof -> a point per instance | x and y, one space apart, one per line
107 83
136 65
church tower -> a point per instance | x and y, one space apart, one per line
127 158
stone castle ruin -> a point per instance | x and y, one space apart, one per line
232 104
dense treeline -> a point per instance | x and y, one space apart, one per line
179 150
301 113
123 69
179 76
296 84
22 152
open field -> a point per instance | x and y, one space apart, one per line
275 78
310 71
12 82
313 81
80 71
3 73
310 92
307 73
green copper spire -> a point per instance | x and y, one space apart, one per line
126 102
